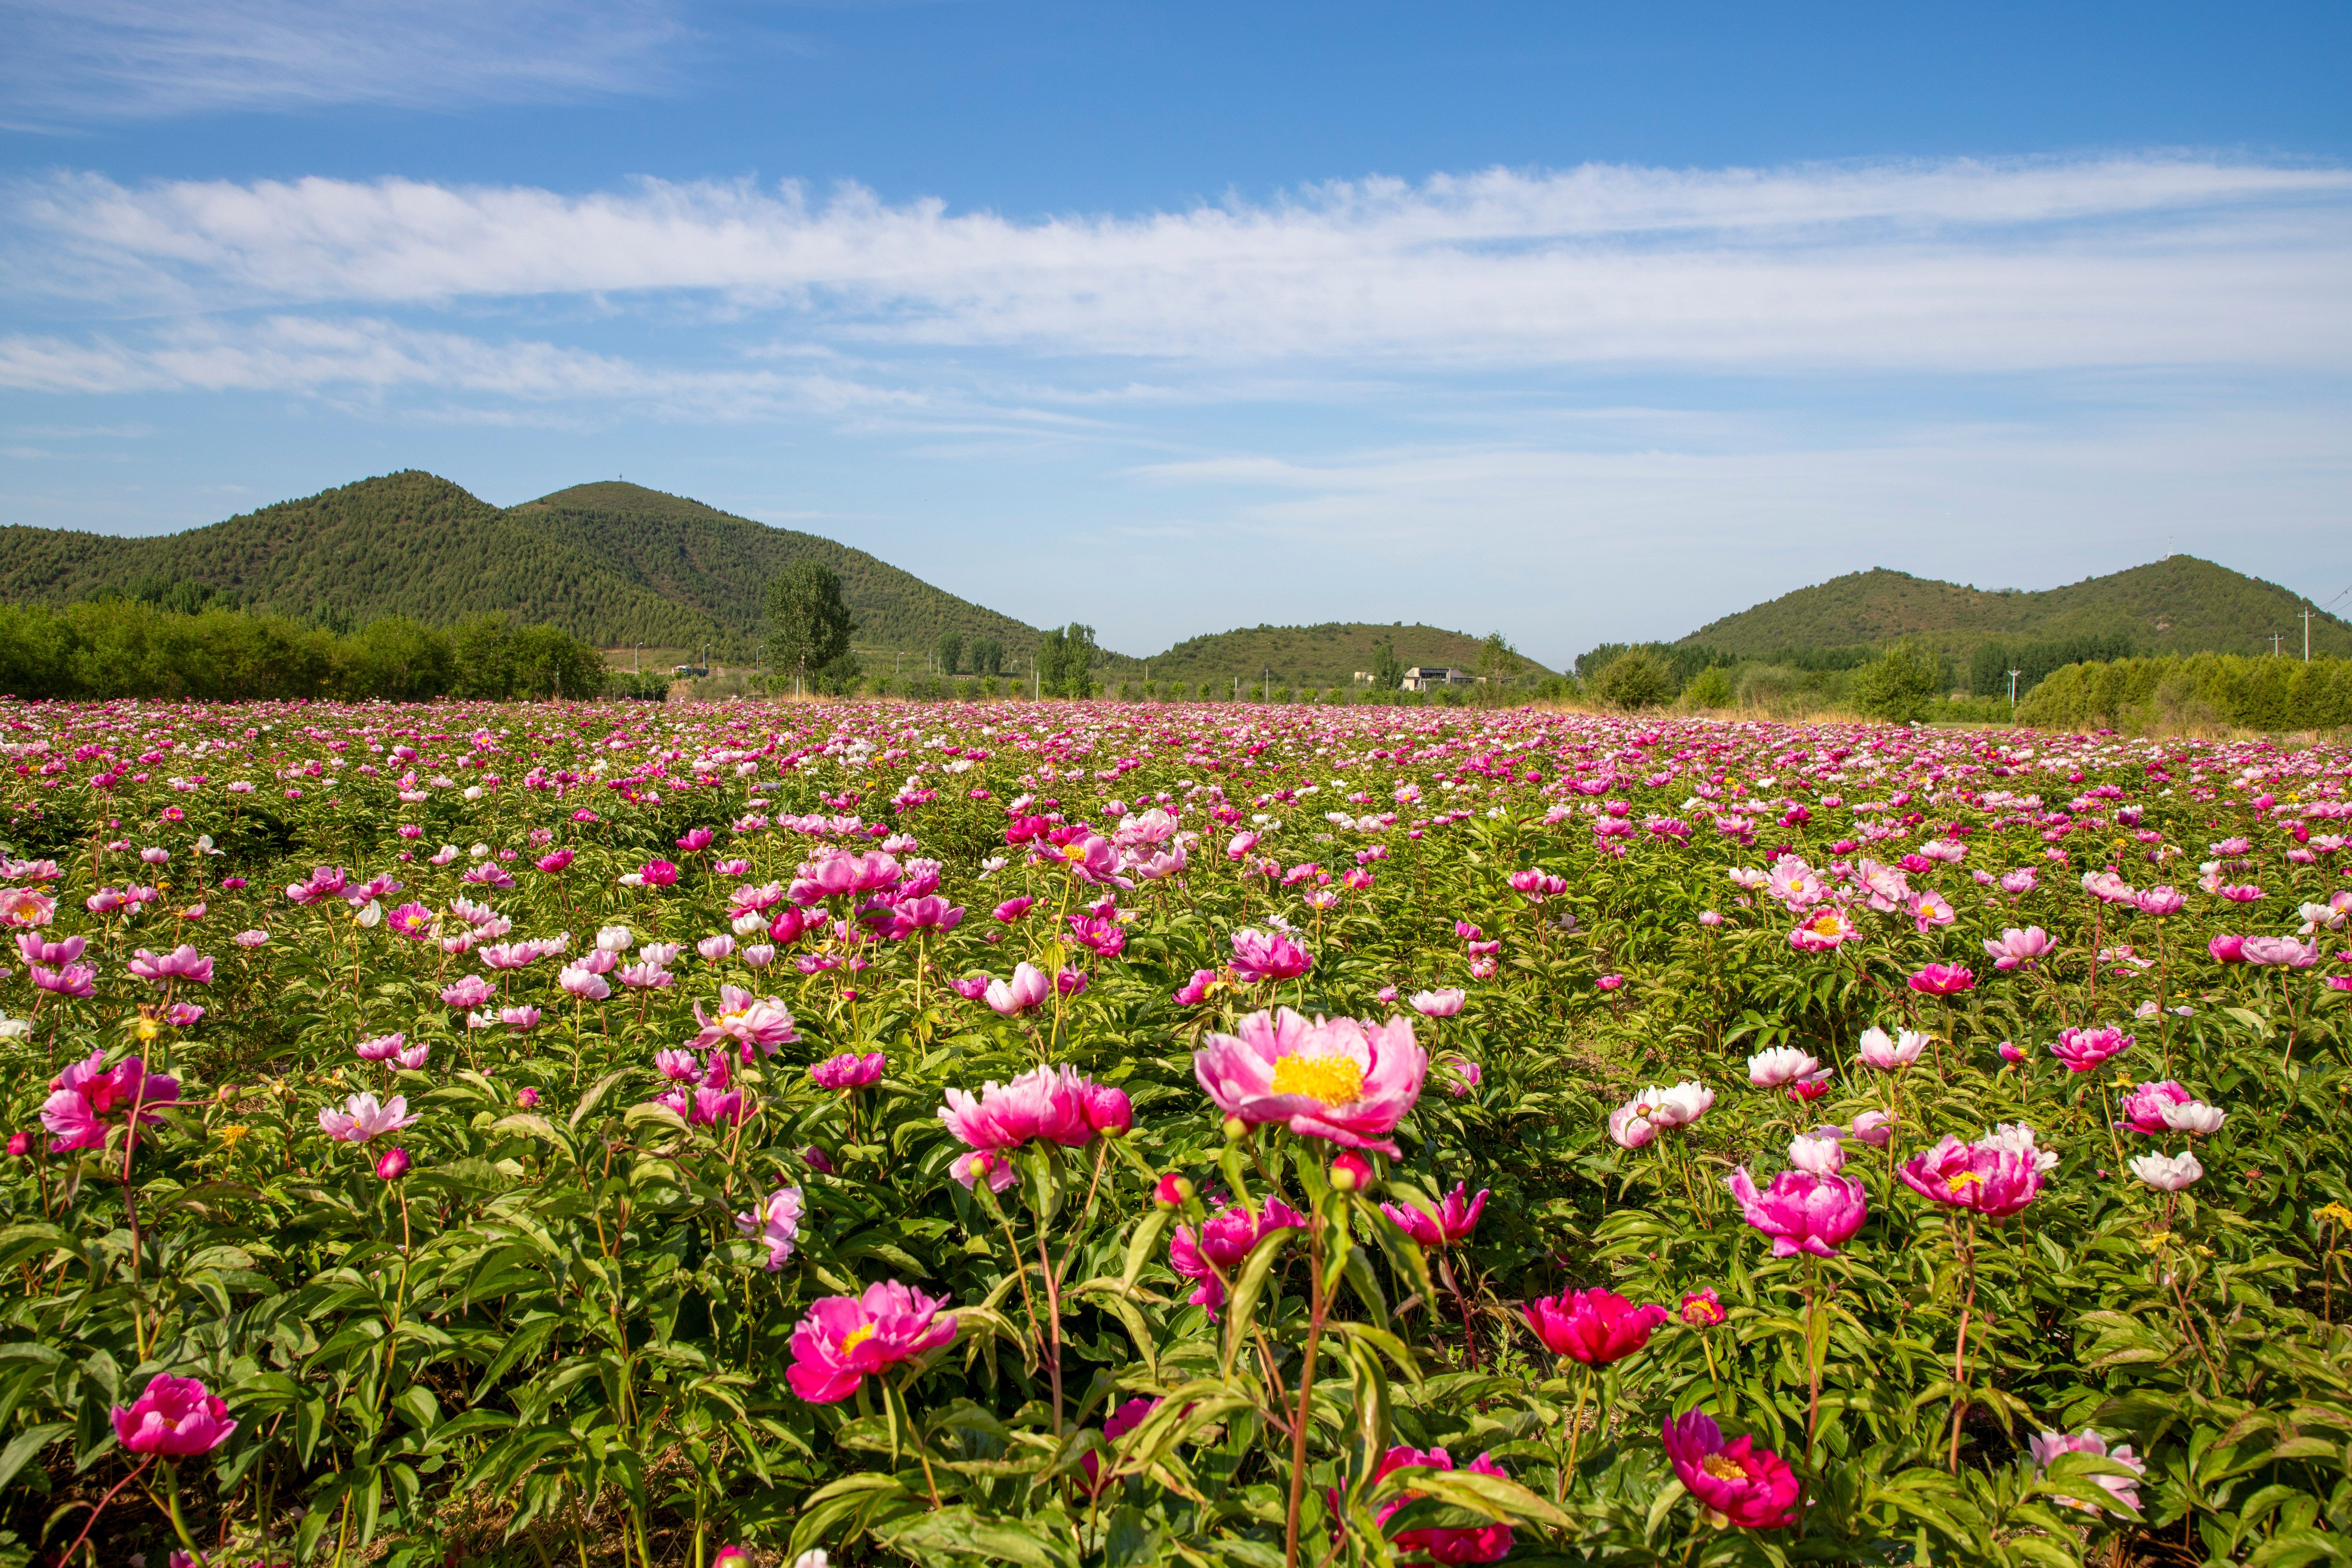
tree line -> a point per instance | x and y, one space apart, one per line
117 648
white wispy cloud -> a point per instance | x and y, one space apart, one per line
1953 266
73 61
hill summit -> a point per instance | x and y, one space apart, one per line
2178 605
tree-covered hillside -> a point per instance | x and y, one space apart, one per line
2179 605
720 564
1320 656
614 563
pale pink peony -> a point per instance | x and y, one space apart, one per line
1338 1080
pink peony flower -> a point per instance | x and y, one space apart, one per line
847 1338
848 1070
1118 1425
2046 1447
1267 955
746 1019
180 963
1454 1220
175 1417
1339 1080
1701 1309
1223 1241
84 1097
2084 1049
777 1223
2144 1105
2227 949
1473 1544
1800 1212
1029 987
1442 1004
1596 1326
1735 1483
1055 1103
1943 980
472 990
392 1165
1195 991
1996 1179
2016 948
362 1119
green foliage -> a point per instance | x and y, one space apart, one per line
951 653
1388 670
125 647
1633 680
1711 687
2264 693
1990 665
1330 654
1901 685
987 656
2179 605
809 627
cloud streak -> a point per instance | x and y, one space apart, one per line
75 61
1948 266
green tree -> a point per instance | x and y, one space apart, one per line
1388 670
1500 663
951 652
808 626
1711 687
1902 684
1066 661
1634 679
987 656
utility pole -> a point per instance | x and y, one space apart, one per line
2012 695
638 660
2306 637
2275 642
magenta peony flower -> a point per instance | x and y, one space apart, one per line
658 874
182 963
1995 1179
1476 1543
1733 1483
2227 949
848 1070
175 1417
2144 1105
847 1338
1596 1326
1943 980
777 1223
1701 1309
1224 1241
2084 1049
1454 1220
84 1097
470 992
1339 1080
1801 1212
1267 955
1195 991
1118 1425
392 1165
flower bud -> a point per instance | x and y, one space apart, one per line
731 1557
1172 1190
527 1097
1351 1172
394 1165
1235 1129
20 1144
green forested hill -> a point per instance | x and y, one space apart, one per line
719 564
1322 656
2179 604
614 563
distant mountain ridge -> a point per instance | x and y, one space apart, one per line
2178 605
612 563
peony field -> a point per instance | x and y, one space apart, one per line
1091 1133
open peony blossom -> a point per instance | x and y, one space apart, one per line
848 1070
2144 1107
2084 1049
2168 1173
750 1021
1993 1179
847 1338
1342 1079
174 1417
1888 1053
1802 1212
1268 955
1781 1065
2016 948
86 1097
1441 1004
362 1119
1596 1326
1733 1483
2046 1447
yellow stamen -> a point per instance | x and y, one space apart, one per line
1721 1468
1965 1180
1330 1080
857 1336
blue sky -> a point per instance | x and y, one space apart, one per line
1576 323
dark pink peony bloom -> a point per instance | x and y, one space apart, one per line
1224 1241
1736 1483
847 1338
175 1417
1454 1220
1802 1212
1596 1326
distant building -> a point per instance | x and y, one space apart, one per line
696 671
1431 676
